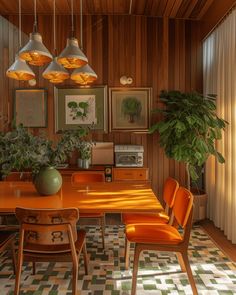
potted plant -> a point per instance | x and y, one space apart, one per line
189 129
84 148
20 150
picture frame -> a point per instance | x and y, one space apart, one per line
85 106
129 109
30 107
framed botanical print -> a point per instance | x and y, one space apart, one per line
30 107
81 106
129 109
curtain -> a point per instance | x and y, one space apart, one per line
219 76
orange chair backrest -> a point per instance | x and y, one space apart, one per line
171 186
88 176
183 206
47 226
19 176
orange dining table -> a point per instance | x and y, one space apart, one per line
108 197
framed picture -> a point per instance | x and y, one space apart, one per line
30 107
81 106
129 109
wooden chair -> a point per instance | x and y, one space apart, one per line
169 191
88 177
50 235
165 237
7 240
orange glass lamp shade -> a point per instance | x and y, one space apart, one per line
84 75
19 70
34 52
55 73
72 56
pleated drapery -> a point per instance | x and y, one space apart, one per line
219 72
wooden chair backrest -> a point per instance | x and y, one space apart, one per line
48 226
183 206
87 176
171 186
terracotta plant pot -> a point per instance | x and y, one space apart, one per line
200 204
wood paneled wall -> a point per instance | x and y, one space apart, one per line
155 52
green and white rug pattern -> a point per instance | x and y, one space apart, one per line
212 270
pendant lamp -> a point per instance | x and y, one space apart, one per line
19 70
84 75
35 51
55 73
72 56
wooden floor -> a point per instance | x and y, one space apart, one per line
220 239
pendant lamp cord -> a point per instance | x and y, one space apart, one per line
35 17
20 41
72 18
54 27
81 24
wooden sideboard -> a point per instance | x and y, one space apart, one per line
111 173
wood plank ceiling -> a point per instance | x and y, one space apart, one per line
181 9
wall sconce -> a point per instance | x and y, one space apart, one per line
32 82
126 80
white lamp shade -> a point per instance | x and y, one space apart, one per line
35 52
19 70
84 75
55 72
72 56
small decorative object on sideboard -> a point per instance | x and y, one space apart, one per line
129 155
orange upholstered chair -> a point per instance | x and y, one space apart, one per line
170 188
50 235
165 237
88 177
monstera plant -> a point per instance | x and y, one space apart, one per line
20 150
189 129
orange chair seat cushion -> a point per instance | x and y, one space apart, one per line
51 249
153 234
91 215
129 218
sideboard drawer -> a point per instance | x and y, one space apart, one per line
130 174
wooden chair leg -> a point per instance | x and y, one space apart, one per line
34 267
127 252
13 253
181 262
102 222
85 255
189 273
75 277
19 264
135 269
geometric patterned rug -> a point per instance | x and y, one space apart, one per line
213 272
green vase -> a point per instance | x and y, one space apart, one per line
48 181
